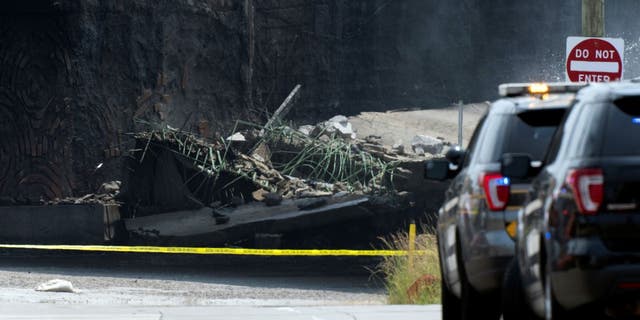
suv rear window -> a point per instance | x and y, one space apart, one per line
527 132
622 128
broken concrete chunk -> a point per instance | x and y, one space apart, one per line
307 130
262 153
112 187
314 194
373 139
424 144
344 127
238 137
259 194
56 285
272 199
338 124
398 148
322 186
404 171
373 147
341 194
339 119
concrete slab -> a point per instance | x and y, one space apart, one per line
200 226
59 224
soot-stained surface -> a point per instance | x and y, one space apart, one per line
77 75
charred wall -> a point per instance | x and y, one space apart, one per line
76 76
36 122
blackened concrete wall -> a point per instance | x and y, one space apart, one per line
77 75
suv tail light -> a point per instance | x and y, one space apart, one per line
588 188
496 190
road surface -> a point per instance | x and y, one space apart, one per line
402 126
125 286
21 312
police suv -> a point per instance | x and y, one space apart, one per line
476 222
578 235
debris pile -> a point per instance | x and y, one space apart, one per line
176 170
106 194
422 144
234 171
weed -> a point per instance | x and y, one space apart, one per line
417 284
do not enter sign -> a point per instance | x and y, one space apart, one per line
594 59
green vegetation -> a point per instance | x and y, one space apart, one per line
419 284
328 158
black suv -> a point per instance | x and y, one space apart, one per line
481 204
578 236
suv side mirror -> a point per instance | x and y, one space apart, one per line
437 169
516 165
456 155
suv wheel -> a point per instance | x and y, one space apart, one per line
514 305
475 305
551 308
479 306
450 303
554 311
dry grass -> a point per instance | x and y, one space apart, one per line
419 284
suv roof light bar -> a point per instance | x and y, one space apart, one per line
519 89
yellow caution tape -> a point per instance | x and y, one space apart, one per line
215 251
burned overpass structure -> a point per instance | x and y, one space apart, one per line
77 77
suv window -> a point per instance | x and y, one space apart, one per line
622 128
556 140
472 142
527 132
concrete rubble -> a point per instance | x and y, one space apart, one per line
106 194
338 124
311 171
56 285
422 144
262 182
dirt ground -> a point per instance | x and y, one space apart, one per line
402 126
175 280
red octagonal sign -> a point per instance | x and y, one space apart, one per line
594 59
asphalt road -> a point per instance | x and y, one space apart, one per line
128 286
22 312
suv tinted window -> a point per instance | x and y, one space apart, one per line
527 132
473 141
622 128
556 140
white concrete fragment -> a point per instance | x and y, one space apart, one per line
56 285
425 144
112 187
307 129
342 125
237 137
398 147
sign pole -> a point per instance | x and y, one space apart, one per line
460 105
593 18
412 245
